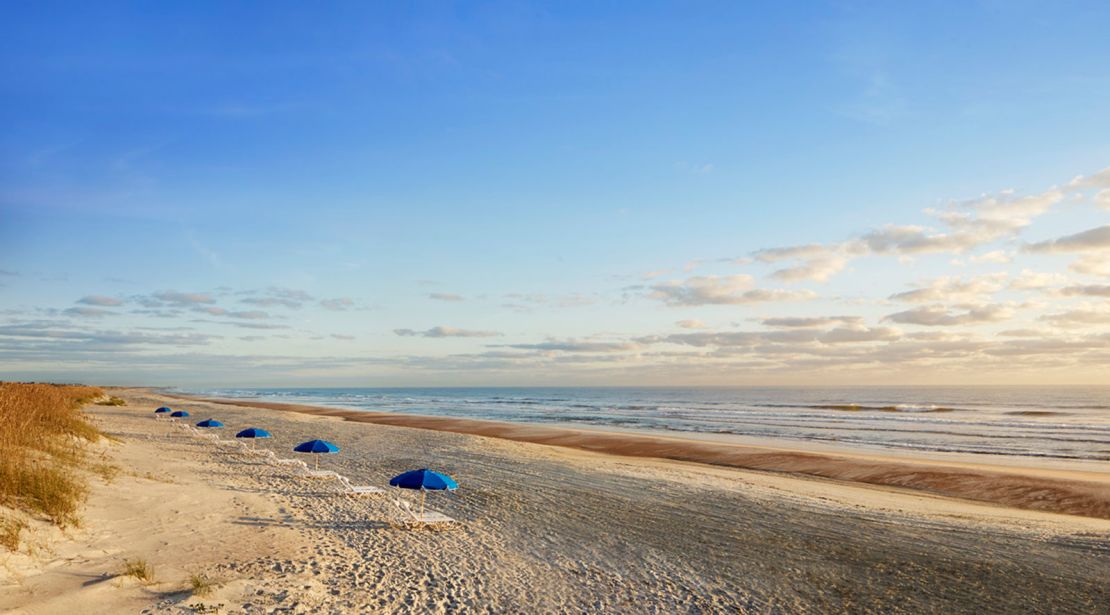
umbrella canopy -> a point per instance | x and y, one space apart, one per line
210 423
179 414
162 410
316 446
423 479
253 432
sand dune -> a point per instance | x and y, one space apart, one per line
1087 494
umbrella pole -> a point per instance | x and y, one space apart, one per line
423 492
317 463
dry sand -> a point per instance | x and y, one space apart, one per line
545 529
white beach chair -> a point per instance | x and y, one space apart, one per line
359 490
422 518
310 473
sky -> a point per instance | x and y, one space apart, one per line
567 193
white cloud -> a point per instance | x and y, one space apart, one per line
998 257
445 297
1102 199
940 316
1093 240
1035 280
949 289
691 324
1082 317
859 334
820 321
816 262
720 290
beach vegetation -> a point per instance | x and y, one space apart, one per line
112 401
201 585
43 435
10 528
140 569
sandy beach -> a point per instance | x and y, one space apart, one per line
542 529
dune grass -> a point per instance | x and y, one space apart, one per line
140 569
42 436
10 528
201 585
112 401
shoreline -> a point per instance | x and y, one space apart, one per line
1071 492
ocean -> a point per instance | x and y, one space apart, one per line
1066 423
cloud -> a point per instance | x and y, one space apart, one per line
6 272
998 257
945 289
279 296
340 336
1082 317
1089 290
1096 239
249 315
446 297
527 302
720 290
820 321
1035 280
940 316
1101 179
817 263
88 312
337 305
852 335
445 332
691 324
60 338
1102 199
100 300
576 346
1092 264
183 299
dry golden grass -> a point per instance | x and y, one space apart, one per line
9 532
42 437
139 569
201 585
112 401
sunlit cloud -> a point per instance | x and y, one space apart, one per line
720 290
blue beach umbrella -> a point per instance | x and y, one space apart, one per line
424 480
179 414
159 412
316 446
253 433
210 423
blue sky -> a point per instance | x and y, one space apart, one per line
523 193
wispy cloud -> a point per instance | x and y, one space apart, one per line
100 300
720 290
941 316
442 331
338 304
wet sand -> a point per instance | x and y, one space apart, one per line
555 529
